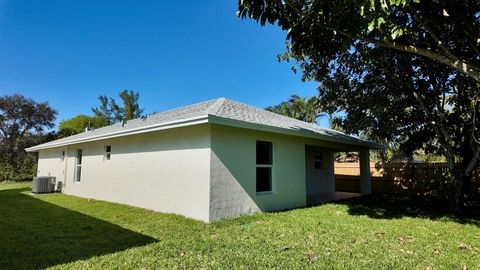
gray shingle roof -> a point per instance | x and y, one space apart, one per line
220 108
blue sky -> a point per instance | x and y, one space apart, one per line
173 52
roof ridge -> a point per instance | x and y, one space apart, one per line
216 106
178 108
282 116
313 125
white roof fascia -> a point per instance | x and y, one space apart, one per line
156 127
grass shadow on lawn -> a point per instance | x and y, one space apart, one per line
391 206
35 234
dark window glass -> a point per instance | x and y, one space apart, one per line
79 157
264 179
318 160
79 173
264 153
108 150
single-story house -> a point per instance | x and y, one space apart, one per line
208 161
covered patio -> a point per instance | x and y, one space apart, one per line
320 175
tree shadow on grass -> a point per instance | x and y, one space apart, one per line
35 234
391 206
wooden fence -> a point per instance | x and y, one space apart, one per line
406 178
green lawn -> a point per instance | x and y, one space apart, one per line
377 232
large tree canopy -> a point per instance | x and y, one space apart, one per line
446 31
407 101
22 123
79 123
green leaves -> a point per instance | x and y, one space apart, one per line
305 109
396 32
380 21
131 109
22 123
78 124
371 26
114 112
399 2
376 24
384 5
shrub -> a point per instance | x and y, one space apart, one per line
25 172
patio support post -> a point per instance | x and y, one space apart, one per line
365 178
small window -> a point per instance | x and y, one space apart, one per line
78 166
264 166
318 160
62 158
108 152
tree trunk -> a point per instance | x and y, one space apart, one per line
460 191
454 179
457 198
461 183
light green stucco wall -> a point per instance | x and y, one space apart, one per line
233 180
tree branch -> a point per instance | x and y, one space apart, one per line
470 70
434 36
473 162
449 59
467 29
441 132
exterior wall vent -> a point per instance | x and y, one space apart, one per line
43 184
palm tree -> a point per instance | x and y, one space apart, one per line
305 109
283 108
115 112
334 122
131 109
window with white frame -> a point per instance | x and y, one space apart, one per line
62 157
108 152
264 166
